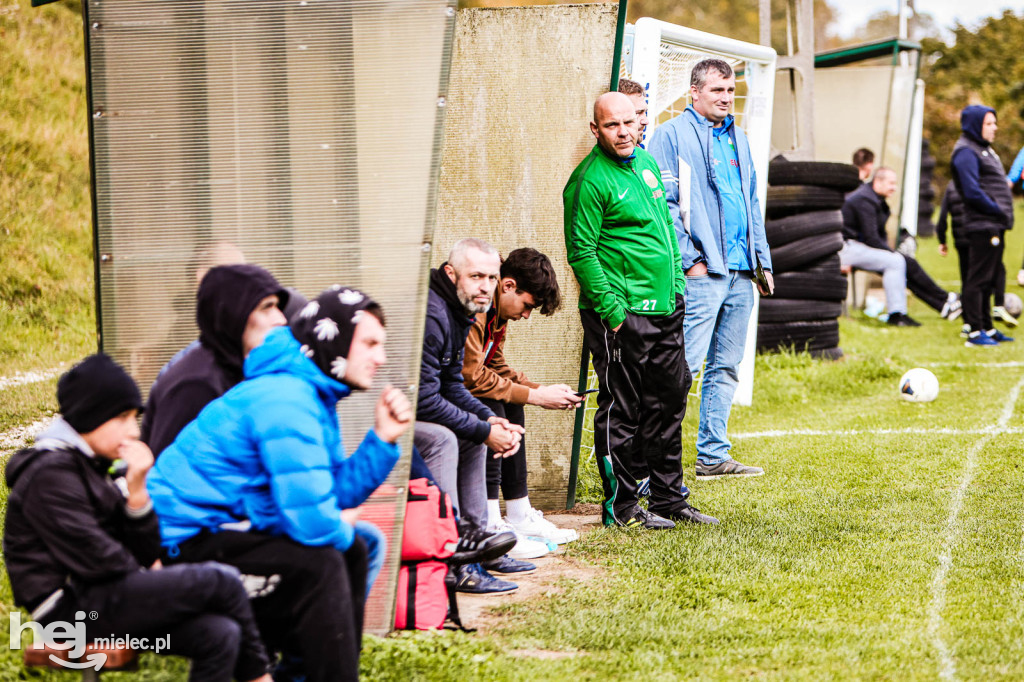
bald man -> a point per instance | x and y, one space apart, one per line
622 248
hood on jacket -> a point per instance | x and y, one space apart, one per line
281 353
326 326
971 119
442 285
227 296
59 435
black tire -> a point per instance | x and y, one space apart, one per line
826 267
799 335
827 353
784 200
797 310
804 285
926 194
786 230
841 176
928 163
807 250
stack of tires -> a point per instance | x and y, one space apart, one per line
926 198
804 230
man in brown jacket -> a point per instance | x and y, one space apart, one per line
527 283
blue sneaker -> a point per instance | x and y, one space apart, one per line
979 340
506 564
644 489
473 579
999 337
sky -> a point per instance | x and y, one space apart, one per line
855 13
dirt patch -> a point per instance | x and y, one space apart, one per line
581 509
478 611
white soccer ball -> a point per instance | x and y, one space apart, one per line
1012 303
919 386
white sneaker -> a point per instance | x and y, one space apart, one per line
537 526
525 548
1020 277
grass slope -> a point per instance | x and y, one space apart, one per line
826 568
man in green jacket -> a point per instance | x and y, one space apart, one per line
622 248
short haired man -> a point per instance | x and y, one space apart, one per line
528 283
454 429
620 244
864 160
721 236
866 246
78 537
236 306
988 213
259 480
638 96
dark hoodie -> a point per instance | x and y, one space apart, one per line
980 177
227 296
443 396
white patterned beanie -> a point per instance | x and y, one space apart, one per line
325 327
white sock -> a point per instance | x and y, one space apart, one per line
518 510
493 513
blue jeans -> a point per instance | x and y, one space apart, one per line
715 327
376 548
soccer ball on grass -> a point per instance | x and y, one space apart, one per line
919 386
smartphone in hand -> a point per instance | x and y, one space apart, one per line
582 394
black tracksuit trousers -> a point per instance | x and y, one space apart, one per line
644 382
200 610
982 270
312 609
963 253
923 286
507 473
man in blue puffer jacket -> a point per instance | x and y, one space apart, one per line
259 480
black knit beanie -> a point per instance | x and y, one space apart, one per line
326 325
95 391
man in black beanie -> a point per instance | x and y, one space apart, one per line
235 308
81 536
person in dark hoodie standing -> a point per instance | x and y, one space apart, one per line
267 457
79 538
235 308
980 180
454 429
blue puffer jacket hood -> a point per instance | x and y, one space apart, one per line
971 120
269 453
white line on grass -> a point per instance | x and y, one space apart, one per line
18 437
947 667
30 377
1009 363
988 431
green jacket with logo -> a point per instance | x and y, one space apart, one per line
619 237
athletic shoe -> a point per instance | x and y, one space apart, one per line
902 320
952 308
643 489
1020 278
473 579
979 340
999 337
535 525
525 548
477 545
999 314
690 514
506 564
965 331
641 518
729 467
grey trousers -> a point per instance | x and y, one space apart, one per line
891 265
459 468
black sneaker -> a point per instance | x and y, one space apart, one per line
641 518
476 545
506 564
473 579
689 514
729 467
902 320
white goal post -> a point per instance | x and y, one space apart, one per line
660 56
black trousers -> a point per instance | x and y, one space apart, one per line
640 405
199 611
923 286
983 269
507 473
963 253
308 601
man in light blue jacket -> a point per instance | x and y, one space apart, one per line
712 194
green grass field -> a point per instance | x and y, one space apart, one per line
886 540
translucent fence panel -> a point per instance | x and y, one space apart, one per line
302 135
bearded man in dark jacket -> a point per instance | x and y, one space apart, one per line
235 308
